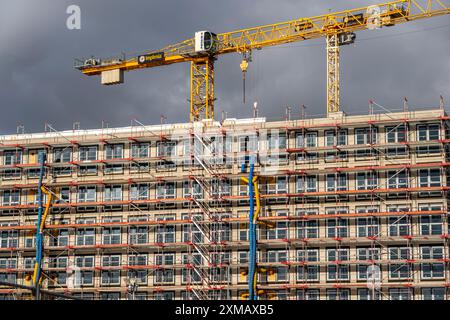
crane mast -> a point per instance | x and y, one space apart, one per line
202 51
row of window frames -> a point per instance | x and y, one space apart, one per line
394 134
299 212
432 293
303 255
86 153
167 234
309 273
365 180
363 154
332 137
119 168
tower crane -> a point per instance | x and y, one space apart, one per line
201 51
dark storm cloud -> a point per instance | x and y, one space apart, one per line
38 83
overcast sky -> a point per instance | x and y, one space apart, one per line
38 83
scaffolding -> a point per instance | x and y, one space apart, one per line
159 212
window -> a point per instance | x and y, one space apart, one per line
9 238
396 151
426 132
367 294
166 295
338 271
88 153
429 178
366 254
428 150
399 226
335 137
338 294
432 270
111 235
308 272
366 180
277 273
191 231
220 188
28 262
399 271
311 139
87 170
85 236
165 233
113 168
336 182
331 156
62 237
110 277
192 189
191 275
165 190
87 194
276 141
364 153
11 197
368 227
86 277
113 193
12 157
8 263
140 275
62 171
64 195
114 151
338 227
277 185
248 143
221 230
431 225
110 296
280 230
366 135
400 294
396 133
137 234
338 254
62 155
306 184
309 294
307 229
397 179
166 148
139 191
164 275
434 294
140 150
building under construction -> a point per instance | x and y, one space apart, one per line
350 207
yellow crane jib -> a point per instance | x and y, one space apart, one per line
338 28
